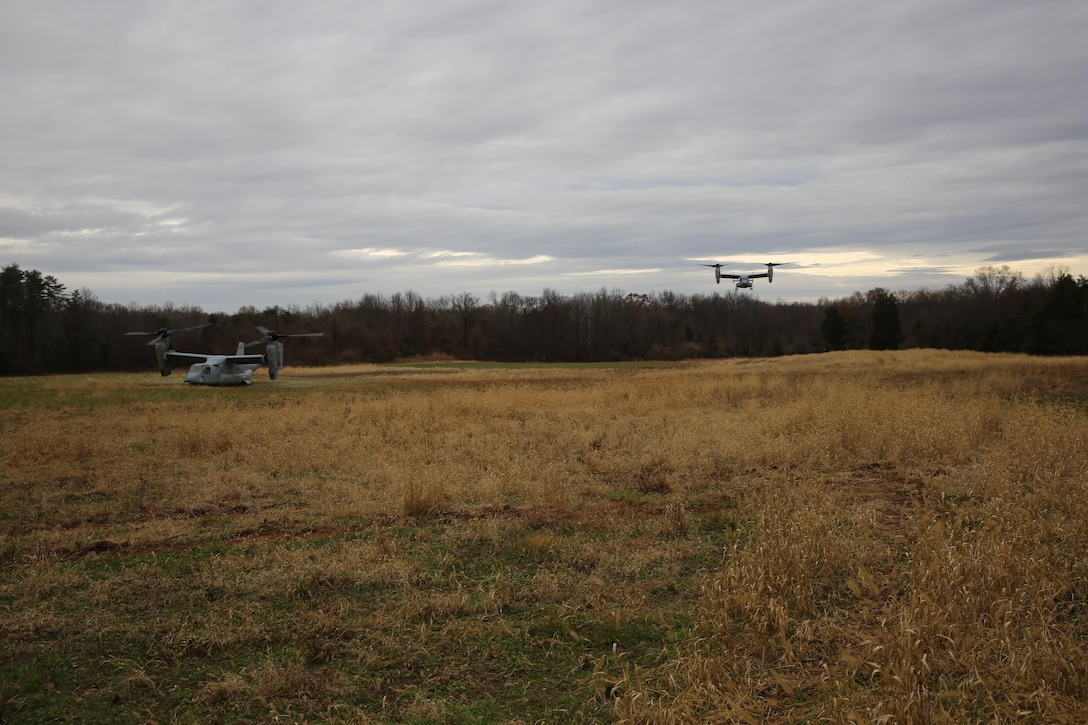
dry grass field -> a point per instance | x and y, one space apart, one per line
849 537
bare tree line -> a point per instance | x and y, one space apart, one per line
46 329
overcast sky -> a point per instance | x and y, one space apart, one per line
230 153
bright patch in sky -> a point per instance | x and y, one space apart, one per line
472 259
613 272
371 252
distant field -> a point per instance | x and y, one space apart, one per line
894 537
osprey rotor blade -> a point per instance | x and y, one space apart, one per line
164 334
273 336
265 336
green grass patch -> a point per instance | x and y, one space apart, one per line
442 626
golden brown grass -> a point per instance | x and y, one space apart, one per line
871 537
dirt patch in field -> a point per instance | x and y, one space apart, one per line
894 501
890 502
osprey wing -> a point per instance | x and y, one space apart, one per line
243 359
189 358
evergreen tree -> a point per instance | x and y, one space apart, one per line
886 332
835 329
1060 324
28 301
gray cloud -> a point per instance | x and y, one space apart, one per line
226 154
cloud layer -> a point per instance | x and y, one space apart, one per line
270 152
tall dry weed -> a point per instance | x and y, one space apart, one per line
771 586
951 591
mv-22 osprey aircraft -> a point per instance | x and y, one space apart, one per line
236 369
744 281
